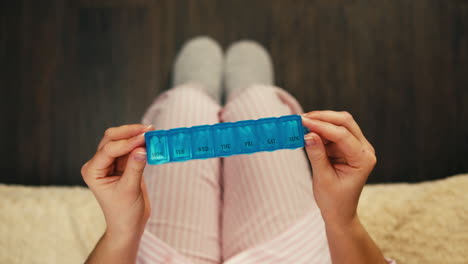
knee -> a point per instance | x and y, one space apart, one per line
257 90
189 92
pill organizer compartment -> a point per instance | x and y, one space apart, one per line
268 134
247 137
292 132
157 146
179 144
202 142
225 142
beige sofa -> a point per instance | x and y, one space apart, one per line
412 223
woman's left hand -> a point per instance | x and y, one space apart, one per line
341 159
115 176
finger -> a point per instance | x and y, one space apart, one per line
341 119
344 119
123 132
334 154
318 156
120 164
333 151
143 187
345 141
106 156
132 175
144 190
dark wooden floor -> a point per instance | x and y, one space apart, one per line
70 69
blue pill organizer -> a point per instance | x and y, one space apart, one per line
224 139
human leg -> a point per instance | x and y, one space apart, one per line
185 196
264 193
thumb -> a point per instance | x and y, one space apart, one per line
317 155
134 170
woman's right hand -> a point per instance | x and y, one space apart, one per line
341 159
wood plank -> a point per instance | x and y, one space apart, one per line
73 68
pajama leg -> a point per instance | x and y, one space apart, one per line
185 196
268 192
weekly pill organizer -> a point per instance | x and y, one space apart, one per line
224 139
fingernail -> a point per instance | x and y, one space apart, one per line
310 141
140 155
138 138
149 127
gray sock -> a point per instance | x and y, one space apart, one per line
247 63
200 61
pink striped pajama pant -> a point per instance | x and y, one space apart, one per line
255 208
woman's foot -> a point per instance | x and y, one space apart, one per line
200 61
246 63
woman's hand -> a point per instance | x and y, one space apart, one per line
114 175
341 159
